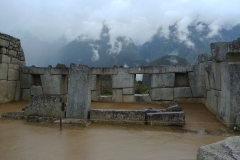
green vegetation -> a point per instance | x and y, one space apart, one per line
140 88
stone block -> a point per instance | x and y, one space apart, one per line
94 82
3 91
238 119
181 80
32 118
163 94
219 51
33 70
182 92
4 43
104 71
128 98
118 116
4 58
16 66
146 70
26 80
95 95
128 90
166 118
78 122
197 83
3 51
17 94
36 90
212 101
10 66
13 75
53 84
3 71
117 95
12 53
123 79
79 96
105 98
227 149
59 71
45 106
47 119
14 61
142 98
12 115
26 94
178 68
162 80
233 57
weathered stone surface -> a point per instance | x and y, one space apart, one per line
104 71
3 91
118 116
4 58
13 115
197 83
12 53
105 98
26 80
162 80
13 75
17 94
53 84
14 61
174 108
182 92
212 101
178 68
161 94
4 43
233 56
227 149
36 90
79 98
33 70
238 119
11 90
47 119
26 94
219 51
3 71
59 71
123 79
94 82
204 57
3 50
128 98
45 106
78 122
166 118
128 90
16 67
95 95
146 70
142 98
117 95
32 118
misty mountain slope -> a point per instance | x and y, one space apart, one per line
169 60
197 42
101 52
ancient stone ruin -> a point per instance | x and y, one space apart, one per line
68 91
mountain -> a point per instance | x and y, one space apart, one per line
196 42
101 52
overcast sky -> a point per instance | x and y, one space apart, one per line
138 19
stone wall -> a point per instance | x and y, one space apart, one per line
11 59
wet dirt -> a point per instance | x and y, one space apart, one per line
23 140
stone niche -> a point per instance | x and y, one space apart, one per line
181 80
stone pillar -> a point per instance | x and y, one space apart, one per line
79 98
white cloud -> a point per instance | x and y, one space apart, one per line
95 56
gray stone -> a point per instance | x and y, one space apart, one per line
146 70
142 98
94 82
26 94
219 51
104 71
178 68
95 95
11 90
17 94
13 75
162 80
79 98
105 98
212 101
59 71
12 53
78 122
238 119
16 66
164 94
3 71
4 43
128 98
3 91
26 80
117 95
14 61
128 90
123 79
182 92
33 70
118 116
12 115
36 90
4 58
3 51
181 80
174 108
10 66
166 118
197 83
53 84
47 119
45 106
227 149
32 118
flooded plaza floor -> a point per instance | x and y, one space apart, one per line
23 140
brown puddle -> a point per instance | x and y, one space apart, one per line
22 140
